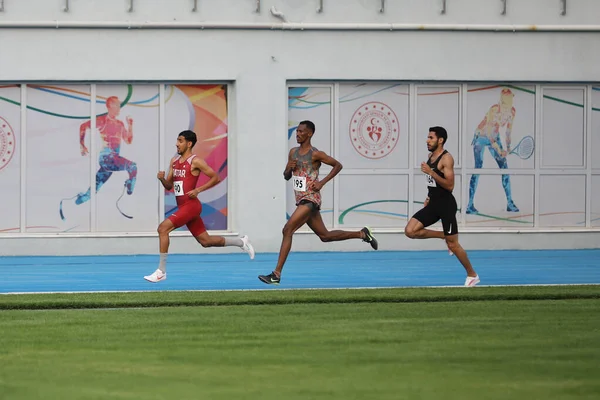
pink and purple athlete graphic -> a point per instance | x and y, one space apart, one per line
112 131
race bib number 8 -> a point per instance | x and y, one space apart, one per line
299 183
178 188
430 181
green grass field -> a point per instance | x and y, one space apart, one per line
479 343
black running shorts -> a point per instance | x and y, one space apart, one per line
440 208
312 205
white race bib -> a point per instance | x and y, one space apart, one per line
299 183
430 181
178 188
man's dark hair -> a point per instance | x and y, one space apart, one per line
309 125
440 133
190 136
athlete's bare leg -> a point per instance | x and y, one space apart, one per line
164 229
207 240
461 254
415 230
315 223
298 218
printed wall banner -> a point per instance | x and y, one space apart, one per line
202 109
373 121
313 104
10 158
501 120
127 154
58 165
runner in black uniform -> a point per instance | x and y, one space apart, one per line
440 202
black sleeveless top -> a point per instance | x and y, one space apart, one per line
435 190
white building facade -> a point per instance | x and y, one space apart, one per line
372 75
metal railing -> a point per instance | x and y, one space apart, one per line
320 7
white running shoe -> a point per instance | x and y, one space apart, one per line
247 247
472 281
156 276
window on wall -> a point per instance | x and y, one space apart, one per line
445 100
521 151
10 158
369 135
202 109
373 147
595 159
499 188
93 152
315 104
58 166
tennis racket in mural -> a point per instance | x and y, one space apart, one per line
525 148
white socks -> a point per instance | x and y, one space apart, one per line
237 242
162 264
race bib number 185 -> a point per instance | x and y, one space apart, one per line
178 188
299 183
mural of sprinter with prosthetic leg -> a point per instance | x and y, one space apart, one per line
112 131
487 135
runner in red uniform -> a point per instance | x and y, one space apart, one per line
182 179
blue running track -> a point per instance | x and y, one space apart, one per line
371 269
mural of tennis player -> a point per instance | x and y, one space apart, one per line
113 132
487 135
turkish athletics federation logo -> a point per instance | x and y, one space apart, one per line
7 143
374 130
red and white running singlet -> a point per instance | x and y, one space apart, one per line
183 180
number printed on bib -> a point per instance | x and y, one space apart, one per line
178 188
299 183
430 181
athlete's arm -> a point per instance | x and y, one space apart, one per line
82 130
289 168
325 159
198 163
490 125
509 125
168 182
127 134
448 169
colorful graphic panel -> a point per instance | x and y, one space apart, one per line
496 117
501 135
202 109
10 158
58 159
312 104
127 140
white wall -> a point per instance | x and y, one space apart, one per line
260 62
